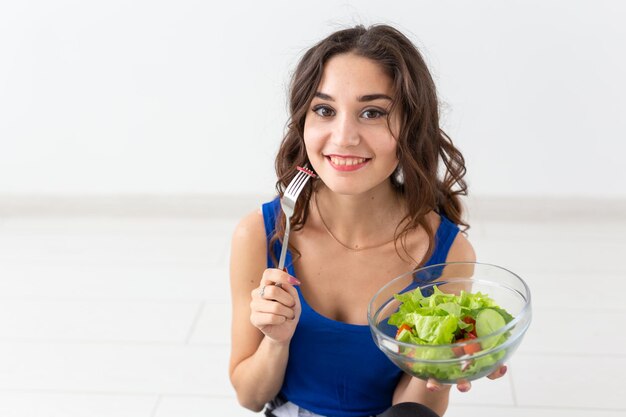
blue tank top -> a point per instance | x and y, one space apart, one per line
335 368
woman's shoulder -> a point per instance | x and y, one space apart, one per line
250 226
248 253
250 231
461 250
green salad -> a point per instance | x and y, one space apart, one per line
442 319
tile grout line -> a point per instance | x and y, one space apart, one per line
569 355
513 390
66 263
540 407
194 323
112 393
108 299
157 403
108 342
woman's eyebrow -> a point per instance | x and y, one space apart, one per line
372 97
367 97
324 96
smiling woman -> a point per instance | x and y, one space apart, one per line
364 117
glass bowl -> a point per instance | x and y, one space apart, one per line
444 362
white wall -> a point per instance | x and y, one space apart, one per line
184 96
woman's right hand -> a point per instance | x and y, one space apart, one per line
275 310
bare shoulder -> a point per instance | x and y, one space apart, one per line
250 229
248 249
461 250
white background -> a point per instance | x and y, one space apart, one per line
189 96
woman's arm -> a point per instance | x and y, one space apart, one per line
411 389
261 326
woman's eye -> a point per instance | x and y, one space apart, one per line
373 114
323 111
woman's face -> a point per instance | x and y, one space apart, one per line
346 131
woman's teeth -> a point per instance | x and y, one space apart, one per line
346 161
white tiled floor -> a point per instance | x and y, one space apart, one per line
115 316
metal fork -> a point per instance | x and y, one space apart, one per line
288 204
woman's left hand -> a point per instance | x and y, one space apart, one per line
463 385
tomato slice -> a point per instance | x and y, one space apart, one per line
472 321
458 351
469 320
404 326
472 348
468 349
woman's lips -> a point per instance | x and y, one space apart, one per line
347 163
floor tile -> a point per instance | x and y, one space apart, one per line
485 392
115 368
573 381
38 404
96 320
113 281
570 331
553 256
213 325
139 226
554 230
482 411
106 250
201 407
120 240
576 290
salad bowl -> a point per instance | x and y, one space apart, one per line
479 314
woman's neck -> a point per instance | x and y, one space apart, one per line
363 221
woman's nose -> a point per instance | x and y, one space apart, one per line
346 131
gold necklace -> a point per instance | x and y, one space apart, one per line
357 249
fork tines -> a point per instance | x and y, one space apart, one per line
307 171
300 180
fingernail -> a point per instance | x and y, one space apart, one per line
293 281
503 370
463 388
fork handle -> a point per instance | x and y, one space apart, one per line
283 251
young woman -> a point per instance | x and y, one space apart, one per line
364 117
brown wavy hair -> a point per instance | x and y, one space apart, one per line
422 145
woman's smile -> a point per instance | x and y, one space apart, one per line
347 163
